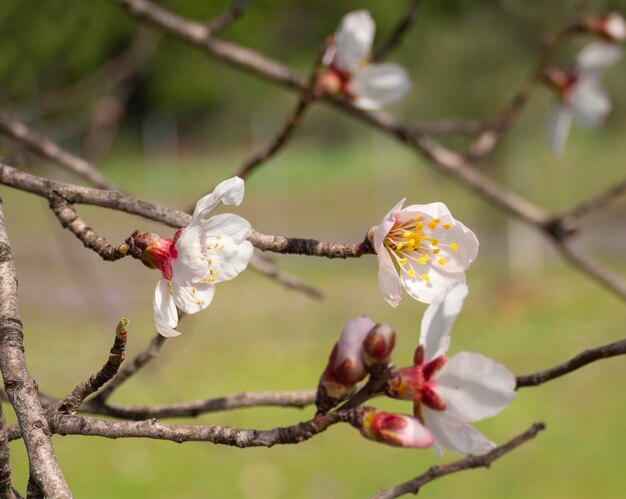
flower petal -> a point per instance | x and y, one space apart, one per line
229 192
456 435
193 298
438 320
350 344
596 57
426 289
474 387
165 314
385 226
589 102
377 85
557 127
353 39
388 279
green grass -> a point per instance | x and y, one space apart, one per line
259 336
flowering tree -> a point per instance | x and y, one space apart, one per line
421 248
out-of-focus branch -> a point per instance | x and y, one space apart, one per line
70 220
20 386
580 360
594 203
302 106
6 490
470 462
40 144
298 399
131 368
266 268
228 17
398 32
71 403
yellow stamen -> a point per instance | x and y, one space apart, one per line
434 242
399 246
447 226
435 251
198 302
454 247
193 290
442 261
411 273
422 260
419 226
406 235
425 277
403 261
417 218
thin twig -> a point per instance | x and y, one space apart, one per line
20 386
228 17
398 32
470 462
594 203
580 360
131 368
70 220
42 145
304 102
71 403
262 266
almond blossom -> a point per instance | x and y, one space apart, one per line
369 86
423 249
397 430
206 252
610 26
448 394
582 97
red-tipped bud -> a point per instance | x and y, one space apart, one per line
558 79
378 345
154 251
329 83
610 26
345 366
398 430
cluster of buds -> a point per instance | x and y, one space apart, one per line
611 27
362 347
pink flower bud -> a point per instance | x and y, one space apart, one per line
398 430
610 26
378 345
154 251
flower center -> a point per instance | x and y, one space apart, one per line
419 241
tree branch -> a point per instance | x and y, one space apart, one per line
262 266
20 386
580 360
398 32
467 463
228 17
6 490
71 403
43 146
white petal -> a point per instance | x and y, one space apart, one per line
456 435
426 291
377 85
385 226
589 102
350 345
354 38
388 278
193 298
229 192
165 314
557 127
615 26
474 387
431 210
596 57
216 249
439 319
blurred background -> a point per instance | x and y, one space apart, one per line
166 123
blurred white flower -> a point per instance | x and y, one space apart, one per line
582 97
423 249
369 86
448 394
610 26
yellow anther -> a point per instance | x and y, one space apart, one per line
399 246
433 224
198 302
454 247
211 271
422 260
210 260
442 261
419 226
417 218
403 261
411 273
425 277
406 235
446 226
193 290
217 272
426 257
435 251
434 242
218 237
412 242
